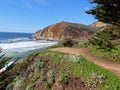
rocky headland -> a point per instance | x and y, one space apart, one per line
63 30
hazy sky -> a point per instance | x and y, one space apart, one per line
32 15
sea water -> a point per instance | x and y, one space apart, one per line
19 45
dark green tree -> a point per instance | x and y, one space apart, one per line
106 11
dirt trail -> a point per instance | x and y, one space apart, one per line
110 66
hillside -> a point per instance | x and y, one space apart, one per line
50 70
63 29
106 43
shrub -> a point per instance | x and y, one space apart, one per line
31 76
38 65
51 78
62 76
18 84
95 80
81 45
107 38
68 42
30 87
75 59
57 46
35 76
108 53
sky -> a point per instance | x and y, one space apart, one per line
32 15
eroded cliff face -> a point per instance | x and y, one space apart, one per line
99 24
62 30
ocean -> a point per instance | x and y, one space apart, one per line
19 44
13 35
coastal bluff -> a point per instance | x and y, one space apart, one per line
63 30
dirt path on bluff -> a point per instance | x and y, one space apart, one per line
110 66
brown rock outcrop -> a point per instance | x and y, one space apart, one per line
99 24
62 30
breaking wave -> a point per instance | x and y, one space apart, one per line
20 46
23 39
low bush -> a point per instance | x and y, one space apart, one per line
62 76
57 46
51 78
68 42
81 45
107 53
30 87
94 80
38 65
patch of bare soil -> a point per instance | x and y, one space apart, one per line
72 84
110 66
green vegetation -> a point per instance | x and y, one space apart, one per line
86 68
51 78
30 87
112 54
38 65
57 46
82 27
68 42
62 76
12 71
43 68
4 60
106 44
95 80
81 45
106 11
107 38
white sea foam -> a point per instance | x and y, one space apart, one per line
24 45
14 40
19 48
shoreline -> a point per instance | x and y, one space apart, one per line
22 52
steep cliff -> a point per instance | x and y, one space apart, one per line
62 30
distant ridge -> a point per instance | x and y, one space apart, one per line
63 29
99 24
